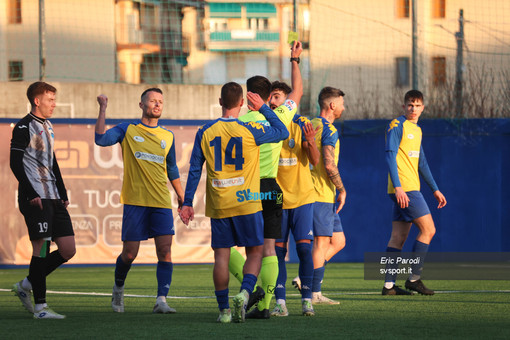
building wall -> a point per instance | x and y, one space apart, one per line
80 40
78 100
353 45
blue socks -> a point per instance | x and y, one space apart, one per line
279 291
392 253
318 276
304 252
164 272
249 282
121 271
222 298
419 250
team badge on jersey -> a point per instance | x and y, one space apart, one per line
163 144
410 136
292 143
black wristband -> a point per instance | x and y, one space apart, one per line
297 60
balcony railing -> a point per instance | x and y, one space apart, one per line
245 35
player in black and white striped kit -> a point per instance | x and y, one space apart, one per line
42 198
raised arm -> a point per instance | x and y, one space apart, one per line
100 123
296 80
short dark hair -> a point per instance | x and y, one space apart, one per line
38 88
152 89
260 85
231 94
413 95
327 93
280 86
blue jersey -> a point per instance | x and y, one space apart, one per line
230 149
149 158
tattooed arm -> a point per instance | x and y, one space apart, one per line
333 174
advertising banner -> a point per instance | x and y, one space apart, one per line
93 178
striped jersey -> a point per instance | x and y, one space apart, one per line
33 160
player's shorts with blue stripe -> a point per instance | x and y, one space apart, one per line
141 223
417 207
241 231
325 219
298 220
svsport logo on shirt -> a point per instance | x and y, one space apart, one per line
247 195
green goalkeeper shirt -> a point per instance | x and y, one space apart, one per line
270 152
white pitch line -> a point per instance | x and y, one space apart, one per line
213 297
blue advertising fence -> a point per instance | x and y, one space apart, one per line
470 161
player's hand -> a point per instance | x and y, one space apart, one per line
296 49
402 198
342 195
186 214
180 201
255 102
309 132
36 202
65 203
102 100
440 199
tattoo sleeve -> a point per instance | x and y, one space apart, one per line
331 168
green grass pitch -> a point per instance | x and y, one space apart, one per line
459 310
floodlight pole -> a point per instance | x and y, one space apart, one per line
459 36
294 28
414 61
42 41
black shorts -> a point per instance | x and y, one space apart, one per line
53 221
272 208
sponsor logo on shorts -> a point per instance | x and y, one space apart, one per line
144 156
414 154
287 161
228 182
310 233
247 195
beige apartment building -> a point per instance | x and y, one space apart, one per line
364 47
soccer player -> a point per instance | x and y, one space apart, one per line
294 177
271 208
42 198
328 184
406 158
230 149
149 159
